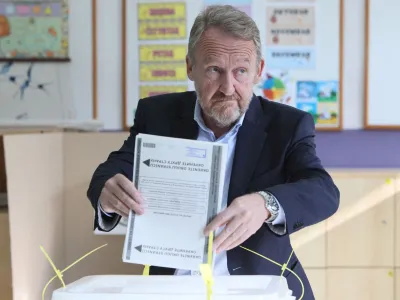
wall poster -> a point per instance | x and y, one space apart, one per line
34 30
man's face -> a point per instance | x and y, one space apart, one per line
224 73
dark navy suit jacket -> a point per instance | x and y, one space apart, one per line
275 152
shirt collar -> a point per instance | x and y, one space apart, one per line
200 121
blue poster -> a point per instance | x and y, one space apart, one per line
311 108
307 91
320 99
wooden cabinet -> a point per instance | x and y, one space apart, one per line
355 254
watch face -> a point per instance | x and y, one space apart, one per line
273 205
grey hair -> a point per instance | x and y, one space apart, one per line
228 18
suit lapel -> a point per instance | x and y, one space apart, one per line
249 143
250 140
184 126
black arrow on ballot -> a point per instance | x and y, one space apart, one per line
139 248
147 162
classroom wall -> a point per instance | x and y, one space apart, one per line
109 64
109 72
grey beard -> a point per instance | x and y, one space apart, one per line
221 120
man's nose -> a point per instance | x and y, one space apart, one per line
227 86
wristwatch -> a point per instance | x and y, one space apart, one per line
270 204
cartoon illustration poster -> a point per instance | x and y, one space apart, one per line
34 29
319 98
278 86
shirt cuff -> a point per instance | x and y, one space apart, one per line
102 216
101 209
280 218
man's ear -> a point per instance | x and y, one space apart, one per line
189 68
260 69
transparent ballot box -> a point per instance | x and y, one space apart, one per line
136 287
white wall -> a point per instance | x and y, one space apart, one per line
80 44
109 61
353 64
109 65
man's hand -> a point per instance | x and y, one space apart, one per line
242 218
119 195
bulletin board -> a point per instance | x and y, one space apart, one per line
34 30
301 41
382 63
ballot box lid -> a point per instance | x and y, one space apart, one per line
135 287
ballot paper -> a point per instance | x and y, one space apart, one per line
182 183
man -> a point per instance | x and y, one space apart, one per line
274 185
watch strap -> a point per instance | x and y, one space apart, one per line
271 204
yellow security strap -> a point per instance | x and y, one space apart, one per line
283 268
59 273
206 269
146 270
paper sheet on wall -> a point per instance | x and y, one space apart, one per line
291 58
290 37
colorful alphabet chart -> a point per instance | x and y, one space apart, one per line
34 29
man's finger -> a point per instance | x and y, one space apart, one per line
129 189
128 201
242 236
221 219
108 201
123 197
124 210
116 203
122 213
111 203
230 232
